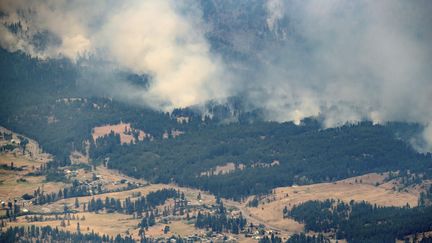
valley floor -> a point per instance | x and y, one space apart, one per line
373 188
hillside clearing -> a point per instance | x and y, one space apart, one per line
270 209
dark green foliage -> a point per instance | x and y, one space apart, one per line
10 167
361 221
147 221
140 205
305 153
254 202
8 147
6 135
56 176
160 196
36 101
302 238
43 100
426 240
425 198
271 239
219 222
76 190
49 234
27 196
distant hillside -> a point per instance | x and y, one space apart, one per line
42 100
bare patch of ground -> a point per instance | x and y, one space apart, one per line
223 169
231 167
77 157
123 129
103 223
270 208
59 205
107 175
176 228
15 183
32 150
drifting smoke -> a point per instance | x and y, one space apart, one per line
348 61
146 37
275 12
342 61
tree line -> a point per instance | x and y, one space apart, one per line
362 221
220 222
47 233
140 205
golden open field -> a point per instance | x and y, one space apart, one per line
270 208
14 183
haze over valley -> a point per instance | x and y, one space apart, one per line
215 121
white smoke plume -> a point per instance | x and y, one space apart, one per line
349 61
340 60
275 11
146 37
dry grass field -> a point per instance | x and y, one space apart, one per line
15 183
32 152
176 228
191 195
10 184
269 211
114 223
270 208
110 224
371 187
122 129
58 205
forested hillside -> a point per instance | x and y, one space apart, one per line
262 121
304 154
361 221
41 99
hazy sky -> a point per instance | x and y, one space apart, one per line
344 61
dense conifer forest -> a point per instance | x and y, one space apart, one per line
361 221
302 154
216 121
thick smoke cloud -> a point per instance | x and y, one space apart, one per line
353 61
339 60
161 38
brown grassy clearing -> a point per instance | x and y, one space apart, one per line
270 208
110 224
77 158
123 129
58 205
32 152
11 188
181 228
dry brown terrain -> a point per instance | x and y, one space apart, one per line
371 187
176 228
58 205
123 129
114 223
270 209
32 152
110 224
77 157
10 185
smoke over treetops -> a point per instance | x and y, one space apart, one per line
344 61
